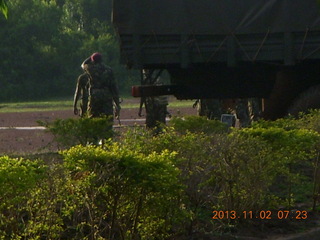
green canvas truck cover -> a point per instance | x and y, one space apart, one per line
215 16
198 31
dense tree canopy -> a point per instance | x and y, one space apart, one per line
46 41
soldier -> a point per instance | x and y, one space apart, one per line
156 107
242 112
248 110
82 92
211 108
255 107
103 89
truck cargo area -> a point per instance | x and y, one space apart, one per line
223 49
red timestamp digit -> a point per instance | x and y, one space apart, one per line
257 215
247 214
301 214
224 214
283 214
265 214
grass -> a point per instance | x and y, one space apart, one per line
36 106
173 102
55 105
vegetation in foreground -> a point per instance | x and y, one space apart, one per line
196 178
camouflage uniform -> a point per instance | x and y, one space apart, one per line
156 107
242 112
156 110
103 91
254 105
82 92
211 108
248 110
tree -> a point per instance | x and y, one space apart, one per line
4 8
46 42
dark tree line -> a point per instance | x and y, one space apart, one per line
43 43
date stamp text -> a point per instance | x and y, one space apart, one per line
263 214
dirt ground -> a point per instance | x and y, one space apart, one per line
18 136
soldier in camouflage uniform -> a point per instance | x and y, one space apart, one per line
211 108
82 92
242 112
156 107
248 110
156 111
255 108
103 89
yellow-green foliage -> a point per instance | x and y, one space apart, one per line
310 121
130 193
294 144
70 132
145 186
250 168
197 124
18 178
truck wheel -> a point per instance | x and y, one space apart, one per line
307 100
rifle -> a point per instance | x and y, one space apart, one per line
117 110
142 101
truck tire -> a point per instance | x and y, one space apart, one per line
307 100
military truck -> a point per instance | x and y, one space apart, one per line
265 49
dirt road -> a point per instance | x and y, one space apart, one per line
18 137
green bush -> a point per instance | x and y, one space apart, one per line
197 124
310 120
245 170
214 170
71 132
130 195
45 207
242 171
18 177
294 152
146 186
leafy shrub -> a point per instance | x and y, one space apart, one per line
284 123
46 218
310 120
242 171
214 170
18 177
197 124
71 132
130 195
237 171
147 186
293 151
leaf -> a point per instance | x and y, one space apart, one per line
4 8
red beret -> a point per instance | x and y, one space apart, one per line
96 57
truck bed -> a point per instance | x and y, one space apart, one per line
164 33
